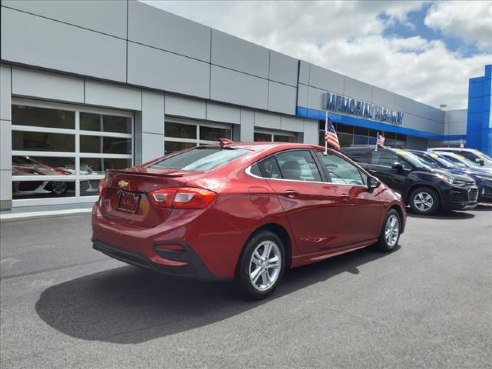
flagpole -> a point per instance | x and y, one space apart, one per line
326 131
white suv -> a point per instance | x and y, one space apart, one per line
475 156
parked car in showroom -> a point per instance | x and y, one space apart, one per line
483 178
427 190
28 166
476 156
243 212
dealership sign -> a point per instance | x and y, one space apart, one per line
348 105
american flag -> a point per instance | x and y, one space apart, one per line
331 137
380 141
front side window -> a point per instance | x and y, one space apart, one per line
341 171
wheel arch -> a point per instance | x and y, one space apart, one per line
281 232
400 213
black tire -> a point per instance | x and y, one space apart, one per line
390 232
58 188
424 200
269 268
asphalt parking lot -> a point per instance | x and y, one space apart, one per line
426 305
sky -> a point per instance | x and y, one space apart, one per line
424 50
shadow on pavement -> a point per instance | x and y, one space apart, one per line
445 215
128 305
484 207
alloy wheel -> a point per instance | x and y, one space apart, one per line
392 230
265 265
423 201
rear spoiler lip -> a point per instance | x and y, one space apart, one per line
146 174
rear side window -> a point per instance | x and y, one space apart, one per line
298 165
383 157
362 156
469 155
199 159
270 169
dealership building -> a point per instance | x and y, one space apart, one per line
93 85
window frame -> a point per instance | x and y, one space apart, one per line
76 155
325 177
274 133
196 141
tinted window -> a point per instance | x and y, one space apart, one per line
412 159
201 159
43 141
384 157
42 117
298 165
269 168
255 170
469 155
362 156
341 171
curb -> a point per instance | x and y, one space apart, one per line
41 214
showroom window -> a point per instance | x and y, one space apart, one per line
61 152
350 135
182 134
274 136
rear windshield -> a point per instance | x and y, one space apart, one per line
199 159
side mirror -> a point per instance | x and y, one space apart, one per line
398 166
372 183
480 162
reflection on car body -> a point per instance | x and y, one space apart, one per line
482 177
243 211
424 188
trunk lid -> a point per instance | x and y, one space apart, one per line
127 196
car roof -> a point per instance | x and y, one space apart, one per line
367 147
266 146
453 149
449 153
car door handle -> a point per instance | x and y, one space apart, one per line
371 170
291 194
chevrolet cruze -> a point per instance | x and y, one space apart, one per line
243 212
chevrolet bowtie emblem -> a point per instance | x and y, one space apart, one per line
123 184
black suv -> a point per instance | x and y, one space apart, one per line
425 189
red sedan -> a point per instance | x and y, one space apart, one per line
243 211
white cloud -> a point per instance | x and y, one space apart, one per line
471 20
347 37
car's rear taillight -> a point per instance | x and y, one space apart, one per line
183 198
102 187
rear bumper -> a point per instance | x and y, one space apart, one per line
189 264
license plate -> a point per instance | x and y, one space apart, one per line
128 202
